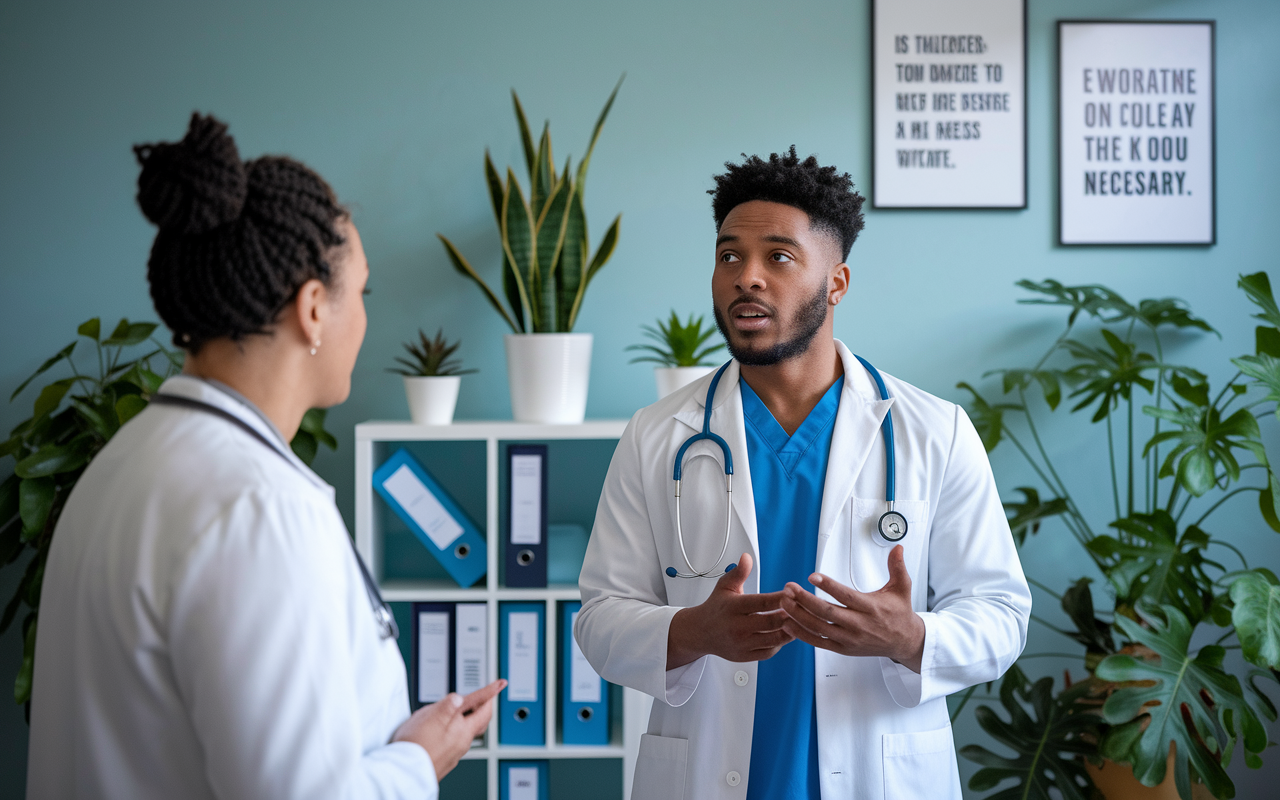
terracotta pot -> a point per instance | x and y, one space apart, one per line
1116 782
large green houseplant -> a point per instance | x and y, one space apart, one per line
73 418
547 265
1175 446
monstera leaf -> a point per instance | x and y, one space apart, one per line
1109 307
1093 633
1187 702
1204 443
1028 514
1047 746
988 418
1156 564
1107 375
1257 618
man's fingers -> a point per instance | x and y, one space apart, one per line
844 595
734 579
756 603
771 640
808 637
899 578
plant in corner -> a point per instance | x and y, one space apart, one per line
681 350
74 417
1174 457
546 268
432 377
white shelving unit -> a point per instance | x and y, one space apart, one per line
369 541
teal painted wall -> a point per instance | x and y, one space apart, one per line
395 102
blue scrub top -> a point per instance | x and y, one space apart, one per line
787 476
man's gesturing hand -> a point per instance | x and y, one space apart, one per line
879 623
729 624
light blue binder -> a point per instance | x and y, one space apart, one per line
433 516
584 695
523 784
522 716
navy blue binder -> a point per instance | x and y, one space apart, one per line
523 780
525 542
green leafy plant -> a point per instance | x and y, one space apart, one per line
73 418
546 260
1176 452
430 358
679 344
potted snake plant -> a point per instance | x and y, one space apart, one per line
432 377
547 265
680 353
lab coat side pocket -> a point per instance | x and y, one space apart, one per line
920 766
660 768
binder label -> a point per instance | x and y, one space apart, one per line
526 499
522 650
420 504
522 783
584 683
433 653
470 664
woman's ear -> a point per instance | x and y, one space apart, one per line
310 311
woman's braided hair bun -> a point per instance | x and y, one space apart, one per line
195 185
237 238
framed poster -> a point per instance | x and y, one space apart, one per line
949 103
1135 133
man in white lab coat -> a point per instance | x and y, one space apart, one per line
824 671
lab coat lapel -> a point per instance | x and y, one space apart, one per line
856 431
727 421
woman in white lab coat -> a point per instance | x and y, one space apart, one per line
206 629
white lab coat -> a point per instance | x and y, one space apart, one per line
205 631
883 731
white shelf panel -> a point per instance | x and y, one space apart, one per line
393 431
515 753
433 591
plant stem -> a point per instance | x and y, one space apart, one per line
964 699
1062 487
1111 460
1232 548
1224 499
1130 462
1052 627
1044 588
1050 655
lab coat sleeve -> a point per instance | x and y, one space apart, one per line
979 603
622 628
261 641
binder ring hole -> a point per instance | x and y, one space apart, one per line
584 714
462 551
524 558
522 714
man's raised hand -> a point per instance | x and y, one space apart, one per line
729 624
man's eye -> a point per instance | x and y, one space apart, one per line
728 258
780 258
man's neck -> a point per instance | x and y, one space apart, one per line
791 388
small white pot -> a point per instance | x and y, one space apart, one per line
432 398
548 374
671 378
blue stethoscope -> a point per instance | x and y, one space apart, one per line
891 529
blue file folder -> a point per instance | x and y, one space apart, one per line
523 780
584 695
433 516
522 705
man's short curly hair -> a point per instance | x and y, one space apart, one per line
828 197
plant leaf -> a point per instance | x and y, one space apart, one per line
1048 743
1028 514
22 684
1190 703
549 236
128 407
988 418
129 333
572 261
35 501
91 328
1093 633
1265 370
1258 289
517 244
63 353
1256 617
311 434
595 134
461 265
1107 376
9 498
1153 562
53 459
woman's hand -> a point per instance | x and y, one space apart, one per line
446 729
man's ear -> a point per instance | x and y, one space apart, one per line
838 284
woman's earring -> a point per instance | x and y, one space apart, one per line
315 347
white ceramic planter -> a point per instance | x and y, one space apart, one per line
432 399
548 374
671 378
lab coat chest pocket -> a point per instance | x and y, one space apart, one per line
920 766
660 768
870 557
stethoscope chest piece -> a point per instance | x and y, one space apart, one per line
892 528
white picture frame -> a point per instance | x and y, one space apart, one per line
949 104
1136 142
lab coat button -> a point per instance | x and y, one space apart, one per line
740 678
733 779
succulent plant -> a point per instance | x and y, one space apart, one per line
679 343
430 358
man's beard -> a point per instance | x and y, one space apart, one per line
808 320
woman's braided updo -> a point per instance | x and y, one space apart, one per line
237 240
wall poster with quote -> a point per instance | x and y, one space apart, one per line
949 103
1136 132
